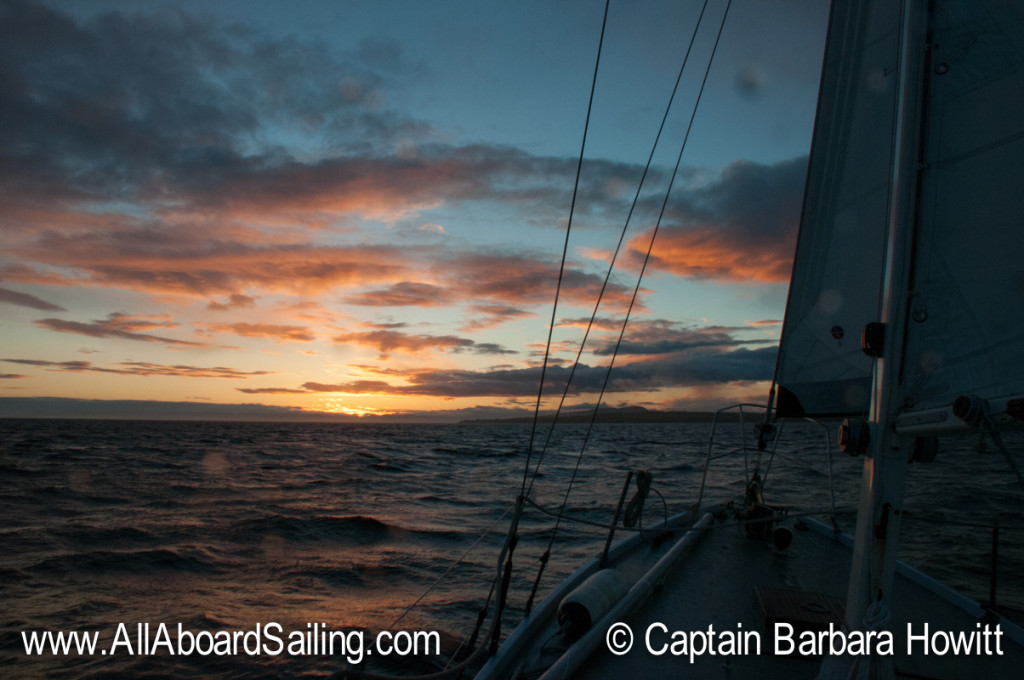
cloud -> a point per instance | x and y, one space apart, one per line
389 341
117 326
680 370
12 376
270 390
171 110
129 409
516 280
13 297
263 330
126 102
188 261
143 153
490 316
655 337
236 301
354 387
402 294
135 154
140 368
741 227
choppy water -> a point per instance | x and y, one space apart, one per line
222 526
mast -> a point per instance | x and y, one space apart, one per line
885 465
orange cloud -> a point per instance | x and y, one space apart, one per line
706 252
740 228
262 330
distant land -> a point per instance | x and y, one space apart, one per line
617 415
132 409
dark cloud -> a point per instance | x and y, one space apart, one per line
355 386
117 326
191 263
742 227
402 294
662 337
270 390
13 297
129 409
127 104
389 341
236 301
696 368
140 368
170 110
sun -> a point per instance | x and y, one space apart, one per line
337 405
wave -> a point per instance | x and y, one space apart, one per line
351 530
151 561
112 536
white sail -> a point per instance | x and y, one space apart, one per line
836 278
965 333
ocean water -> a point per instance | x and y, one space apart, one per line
230 526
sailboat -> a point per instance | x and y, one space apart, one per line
905 317
912 238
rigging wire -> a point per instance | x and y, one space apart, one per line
618 248
636 290
661 215
478 653
650 247
565 250
452 566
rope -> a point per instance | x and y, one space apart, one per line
636 505
877 615
565 251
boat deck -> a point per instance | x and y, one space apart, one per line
717 586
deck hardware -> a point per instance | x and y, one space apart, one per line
872 339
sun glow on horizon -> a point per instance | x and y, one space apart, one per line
336 405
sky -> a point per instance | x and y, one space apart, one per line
359 207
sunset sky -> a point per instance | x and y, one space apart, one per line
359 206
